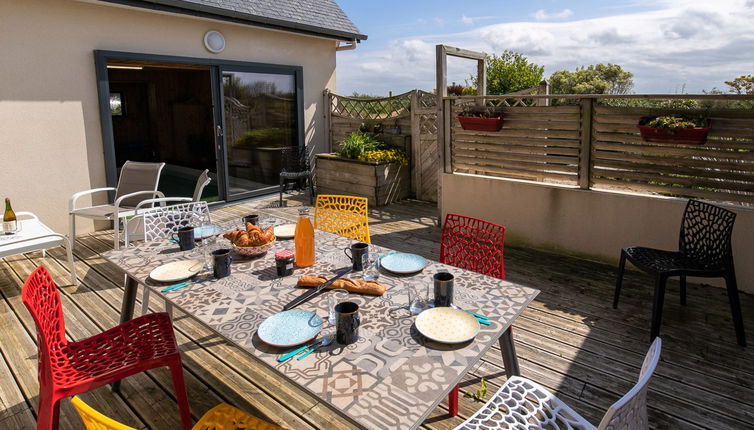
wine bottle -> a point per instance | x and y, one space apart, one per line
10 225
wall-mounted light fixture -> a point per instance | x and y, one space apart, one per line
214 41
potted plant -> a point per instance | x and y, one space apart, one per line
674 129
365 166
480 119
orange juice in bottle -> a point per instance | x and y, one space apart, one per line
304 239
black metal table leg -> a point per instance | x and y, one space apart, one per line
127 310
510 360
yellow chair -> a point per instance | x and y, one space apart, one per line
343 215
221 417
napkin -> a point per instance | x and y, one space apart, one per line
352 285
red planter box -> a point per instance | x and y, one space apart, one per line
480 124
689 136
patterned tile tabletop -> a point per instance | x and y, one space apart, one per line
392 377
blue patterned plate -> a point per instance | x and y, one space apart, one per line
290 328
205 231
403 263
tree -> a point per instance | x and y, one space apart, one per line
594 79
743 84
510 72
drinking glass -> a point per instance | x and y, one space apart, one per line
333 298
371 264
417 302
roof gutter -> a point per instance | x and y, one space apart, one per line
348 46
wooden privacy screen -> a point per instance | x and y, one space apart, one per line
594 145
722 169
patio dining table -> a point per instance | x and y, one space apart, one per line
392 377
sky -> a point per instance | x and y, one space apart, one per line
670 46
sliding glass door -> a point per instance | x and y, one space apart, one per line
261 114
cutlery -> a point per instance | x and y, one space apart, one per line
478 316
176 286
309 294
326 340
294 352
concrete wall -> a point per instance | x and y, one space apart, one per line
592 223
50 135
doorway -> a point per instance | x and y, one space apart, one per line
164 114
230 117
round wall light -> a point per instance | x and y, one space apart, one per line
214 41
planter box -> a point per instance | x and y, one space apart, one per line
382 183
689 136
480 124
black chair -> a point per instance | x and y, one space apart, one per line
704 250
295 167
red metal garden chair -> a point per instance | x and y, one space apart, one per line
70 368
473 244
476 245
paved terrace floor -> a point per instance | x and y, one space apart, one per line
569 339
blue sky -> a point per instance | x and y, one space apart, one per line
670 46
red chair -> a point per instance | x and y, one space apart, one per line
473 244
476 245
70 368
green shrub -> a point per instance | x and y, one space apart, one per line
265 136
357 143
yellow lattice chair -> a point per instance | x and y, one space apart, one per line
221 417
343 215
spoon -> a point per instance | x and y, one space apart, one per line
326 340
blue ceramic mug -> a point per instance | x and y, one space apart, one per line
185 238
221 260
347 327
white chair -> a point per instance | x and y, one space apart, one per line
133 229
137 182
523 404
161 222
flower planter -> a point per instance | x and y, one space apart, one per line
689 136
381 183
480 124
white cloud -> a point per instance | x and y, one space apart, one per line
438 20
470 21
695 43
541 15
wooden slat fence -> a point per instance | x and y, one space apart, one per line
595 145
536 143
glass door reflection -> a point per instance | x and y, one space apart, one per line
261 117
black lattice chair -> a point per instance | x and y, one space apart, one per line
704 250
295 162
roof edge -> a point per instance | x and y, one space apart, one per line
181 7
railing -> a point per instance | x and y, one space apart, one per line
590 142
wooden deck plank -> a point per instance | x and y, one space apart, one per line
569 340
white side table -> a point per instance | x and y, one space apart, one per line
33 235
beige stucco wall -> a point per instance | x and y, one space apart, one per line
50 135
594 223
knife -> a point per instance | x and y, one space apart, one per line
309 294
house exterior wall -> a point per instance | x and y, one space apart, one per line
591 223
50 135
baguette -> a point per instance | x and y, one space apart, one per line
351 285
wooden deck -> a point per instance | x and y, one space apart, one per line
570 340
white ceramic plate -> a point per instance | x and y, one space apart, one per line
286 231
176 271
447 325
403 263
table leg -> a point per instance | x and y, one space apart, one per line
453 401
127 310
510 360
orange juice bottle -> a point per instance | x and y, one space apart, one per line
304 239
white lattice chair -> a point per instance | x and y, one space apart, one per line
161 222
523 404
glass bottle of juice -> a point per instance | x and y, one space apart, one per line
304 239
